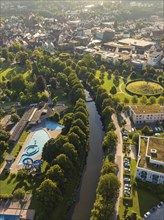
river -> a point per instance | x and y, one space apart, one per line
87 191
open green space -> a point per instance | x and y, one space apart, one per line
8 72
144 88
142 200
108 82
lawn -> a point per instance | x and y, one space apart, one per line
144 88
10 71
142 200
107 84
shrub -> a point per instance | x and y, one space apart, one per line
19 193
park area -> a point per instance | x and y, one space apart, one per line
121 93
8 72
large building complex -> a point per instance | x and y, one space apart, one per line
141 114
150 164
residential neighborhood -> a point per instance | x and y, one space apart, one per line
82 110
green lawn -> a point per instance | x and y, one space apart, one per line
121 92
10 71
142 200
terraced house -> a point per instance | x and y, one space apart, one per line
150 164
141 114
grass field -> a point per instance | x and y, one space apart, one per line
10 71
142 200
144 88
107 84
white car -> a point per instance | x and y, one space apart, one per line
147 214
159 205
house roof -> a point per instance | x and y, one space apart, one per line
147 109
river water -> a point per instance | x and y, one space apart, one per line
87 192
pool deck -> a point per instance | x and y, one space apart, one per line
16 207
52 133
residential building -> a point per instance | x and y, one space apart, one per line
141 114
150 164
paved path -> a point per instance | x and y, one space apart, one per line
119 159
122 91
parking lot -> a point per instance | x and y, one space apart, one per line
158 214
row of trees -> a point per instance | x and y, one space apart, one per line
108 183
107 191
66 154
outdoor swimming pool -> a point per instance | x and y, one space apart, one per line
52 125
9 217
38 140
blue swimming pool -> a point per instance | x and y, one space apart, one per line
38 139
53 125
9 217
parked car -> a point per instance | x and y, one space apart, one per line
147 214
126 179
153 209
127 169
128 185
126 164
159 205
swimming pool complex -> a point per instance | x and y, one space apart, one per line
38 140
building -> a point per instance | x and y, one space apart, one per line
141 114
154 58
112 57
140 45
139 64
150 164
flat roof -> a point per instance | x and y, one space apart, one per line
135 42
158 145
146 144
147 109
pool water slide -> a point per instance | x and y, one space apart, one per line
30 163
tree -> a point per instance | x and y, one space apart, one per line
62 79
56 116
40 83
19 193
18 83
135 138
109 167
102 68
14 118
146 130
4 135
143 100
126 100
113 90
110 141
135 99
64 162
3 146
56 174
48 194
152 100
21 57
161 100
108 186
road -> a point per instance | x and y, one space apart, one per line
119 158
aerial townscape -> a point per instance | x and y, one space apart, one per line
82 110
